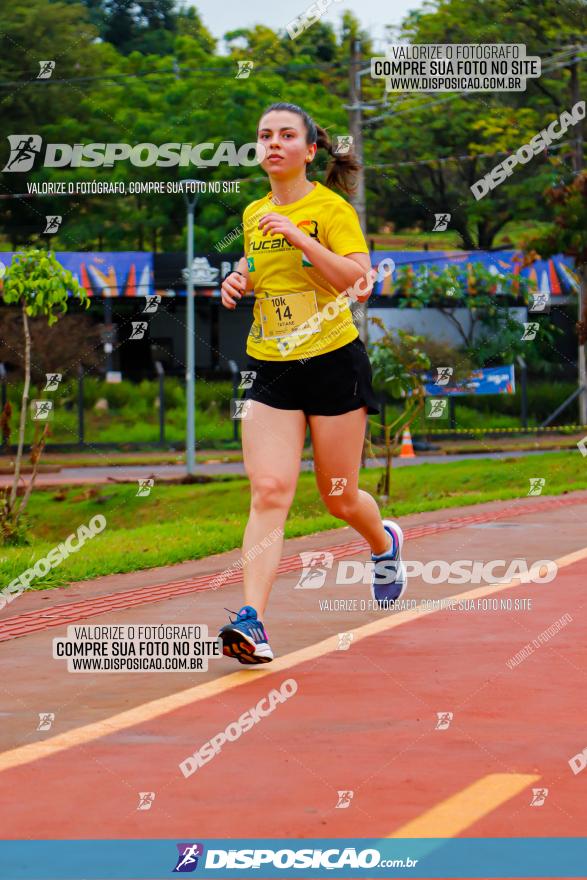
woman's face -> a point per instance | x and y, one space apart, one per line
282 140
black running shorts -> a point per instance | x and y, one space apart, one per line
324 385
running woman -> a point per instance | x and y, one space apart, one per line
303 248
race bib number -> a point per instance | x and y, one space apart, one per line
283 314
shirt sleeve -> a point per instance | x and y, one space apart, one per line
246 230
343 232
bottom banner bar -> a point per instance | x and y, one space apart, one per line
553 857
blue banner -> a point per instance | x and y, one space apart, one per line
275 858
489 380
103 273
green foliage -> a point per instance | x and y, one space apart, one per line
397 360
490 334
36 279
157 76
472 132
567 234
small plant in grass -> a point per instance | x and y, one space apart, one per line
398 363
39 284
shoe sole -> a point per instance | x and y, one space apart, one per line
398 531
237 646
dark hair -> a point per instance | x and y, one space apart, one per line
343 167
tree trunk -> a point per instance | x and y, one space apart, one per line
24 403
38 451
462 229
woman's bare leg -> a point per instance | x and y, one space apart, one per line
273 440
338 442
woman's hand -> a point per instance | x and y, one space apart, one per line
232 289
277 224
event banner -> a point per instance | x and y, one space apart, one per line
489 380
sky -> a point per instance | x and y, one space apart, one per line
225 15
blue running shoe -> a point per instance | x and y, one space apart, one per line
389 581
245 637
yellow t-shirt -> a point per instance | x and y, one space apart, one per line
288 289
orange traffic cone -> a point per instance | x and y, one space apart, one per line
407 450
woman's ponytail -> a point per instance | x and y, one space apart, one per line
343 167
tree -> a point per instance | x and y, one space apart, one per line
57 31
477 305
39 284
567 234
446 142
398 362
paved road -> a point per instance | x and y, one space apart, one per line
427 718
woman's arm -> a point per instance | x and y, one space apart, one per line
243 268
341 272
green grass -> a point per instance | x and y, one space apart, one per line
181 522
